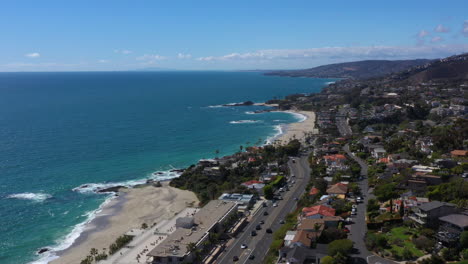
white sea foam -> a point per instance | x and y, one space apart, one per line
158 176
245 121
69 239
37 197
301 118
328 83
250 113
279 131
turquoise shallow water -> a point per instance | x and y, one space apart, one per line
59 131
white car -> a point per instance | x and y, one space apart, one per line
243 246
275 205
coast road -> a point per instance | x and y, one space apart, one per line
258 245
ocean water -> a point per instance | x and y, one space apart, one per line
59 131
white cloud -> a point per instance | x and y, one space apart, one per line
441 29
32 55
103 61
344 53
124 51
465 28
151 57
184 56
436 39
423 33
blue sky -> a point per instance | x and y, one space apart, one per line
198 35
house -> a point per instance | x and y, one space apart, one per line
212 171
338 189
318 211
254 184
428 214
289 237
297 254
451 226
459 153
305 238
325 222
378 153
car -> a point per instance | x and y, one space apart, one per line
253 233
265 213
353 209
353 213
275 205
262 222
252 256
244 246
265 204
359 199
258 227
293 160
295 199
281 221
346 230
349 220
354 206
281 189
235 258
279 198
292 175
269 231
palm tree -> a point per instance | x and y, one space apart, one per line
241 148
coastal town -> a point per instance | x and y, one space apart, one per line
377 173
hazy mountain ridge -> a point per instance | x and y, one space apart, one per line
354 70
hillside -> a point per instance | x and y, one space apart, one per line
353 70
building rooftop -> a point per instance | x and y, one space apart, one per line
176 243
433 205
236 197
459 220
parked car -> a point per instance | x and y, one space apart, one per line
258 227
275 205
265 204
353 213
253 233
359 199
281 221
243 246
346 230
269 231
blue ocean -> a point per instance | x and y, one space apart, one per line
59 131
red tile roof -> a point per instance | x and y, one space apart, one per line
313 191
335 157
319 209
252 182
459 152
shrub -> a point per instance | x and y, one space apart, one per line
327 260
464 254
423 243
343 246
407 254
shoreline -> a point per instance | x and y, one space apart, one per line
128 211
114 217
297 130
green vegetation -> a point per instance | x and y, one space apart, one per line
119 243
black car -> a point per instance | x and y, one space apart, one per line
253 233
269 231
252 257
262 222
235 258
265 213
258 227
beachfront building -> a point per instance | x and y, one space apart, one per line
244 201
191 234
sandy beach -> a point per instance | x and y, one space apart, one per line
299 130
130 210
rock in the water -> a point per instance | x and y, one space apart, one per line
42 250
111 189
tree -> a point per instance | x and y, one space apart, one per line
327 260
386 192
268 192
343 246
464 240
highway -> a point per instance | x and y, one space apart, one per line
258 245
342 124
